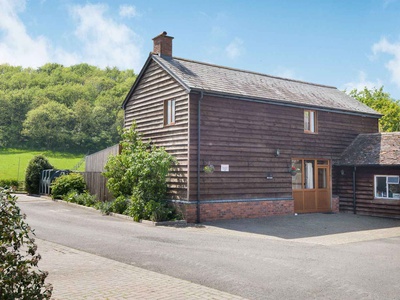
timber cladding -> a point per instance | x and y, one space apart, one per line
365 201
146 108
245 135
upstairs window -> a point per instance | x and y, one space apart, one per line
387 187
169 112
310 121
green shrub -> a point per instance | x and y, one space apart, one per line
157 211
32 175
140 172
19 276
136 209
104 207
9 183
120 205
80 198
67 183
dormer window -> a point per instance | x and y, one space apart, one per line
169 112
310 121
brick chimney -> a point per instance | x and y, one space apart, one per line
163 44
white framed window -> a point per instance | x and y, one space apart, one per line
169 112
310 121
387 187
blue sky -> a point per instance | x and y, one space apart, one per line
347 44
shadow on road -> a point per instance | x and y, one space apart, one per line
306 225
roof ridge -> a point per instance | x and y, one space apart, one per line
252 72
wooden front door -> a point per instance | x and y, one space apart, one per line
311 185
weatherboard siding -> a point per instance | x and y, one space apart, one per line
366 204
146 108
245 135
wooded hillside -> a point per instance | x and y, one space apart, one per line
75 108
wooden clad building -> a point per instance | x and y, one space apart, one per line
248 144
367 175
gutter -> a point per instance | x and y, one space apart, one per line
198 158
354 190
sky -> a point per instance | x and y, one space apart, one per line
343 43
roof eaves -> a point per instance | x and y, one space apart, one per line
284 103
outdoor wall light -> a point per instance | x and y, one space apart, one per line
277 152
342 172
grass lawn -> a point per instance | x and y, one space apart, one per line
13 162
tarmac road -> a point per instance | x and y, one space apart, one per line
312 256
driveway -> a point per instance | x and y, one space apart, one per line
311 256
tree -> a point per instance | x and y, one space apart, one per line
19 276
50 125
33 173
382 102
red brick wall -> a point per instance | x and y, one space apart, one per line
237 210
335 204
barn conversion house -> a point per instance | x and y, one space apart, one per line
249 144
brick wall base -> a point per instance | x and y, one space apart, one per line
236 210
335 204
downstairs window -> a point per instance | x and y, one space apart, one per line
387 187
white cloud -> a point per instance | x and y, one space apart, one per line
286 73
362 83
128 11
235 48
393 65
16 46
105 42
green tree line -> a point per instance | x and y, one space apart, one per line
384 104
76 108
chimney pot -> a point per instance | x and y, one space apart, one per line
162 44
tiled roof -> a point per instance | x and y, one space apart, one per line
212 78
373 149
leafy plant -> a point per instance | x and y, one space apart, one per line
157 211
80 198
33 173
67 183
104 207
9 183
139 172
20 277
120 205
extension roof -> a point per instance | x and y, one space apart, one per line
199 76
373 149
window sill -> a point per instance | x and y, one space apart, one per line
386 200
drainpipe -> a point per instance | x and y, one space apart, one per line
354 189
198 159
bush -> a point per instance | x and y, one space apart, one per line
9 183
32 175
140 172
82 199
67 183
120 205
19 276
157 211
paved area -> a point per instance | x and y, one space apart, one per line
314 256
76 274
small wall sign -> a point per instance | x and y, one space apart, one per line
224 168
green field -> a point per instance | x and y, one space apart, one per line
13 162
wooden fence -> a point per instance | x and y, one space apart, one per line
95 181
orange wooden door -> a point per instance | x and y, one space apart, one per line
311 186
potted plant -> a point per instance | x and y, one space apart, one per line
293 170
